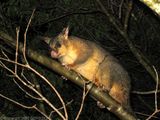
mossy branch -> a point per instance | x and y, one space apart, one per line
94 91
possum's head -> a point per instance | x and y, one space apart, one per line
59 44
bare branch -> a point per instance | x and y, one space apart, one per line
16 54
25 35
120 9
33 97
85 93
156 90
156 108
128 14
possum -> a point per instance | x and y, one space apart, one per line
92 62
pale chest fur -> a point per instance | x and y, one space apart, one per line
69 58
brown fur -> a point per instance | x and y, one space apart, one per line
95 64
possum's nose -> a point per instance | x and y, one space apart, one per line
54 54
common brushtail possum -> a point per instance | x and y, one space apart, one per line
92 62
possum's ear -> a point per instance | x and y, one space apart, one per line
65 32
46 39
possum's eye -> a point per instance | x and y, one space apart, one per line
57 45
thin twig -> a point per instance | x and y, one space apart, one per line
68 103
151 116
156 90
128 14
120 9
146 115
85 93
4 54
33 97
24 77
16 54
25 36
145 92
156 107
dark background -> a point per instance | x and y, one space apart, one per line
88 21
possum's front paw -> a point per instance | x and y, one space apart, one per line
100 105
66 66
